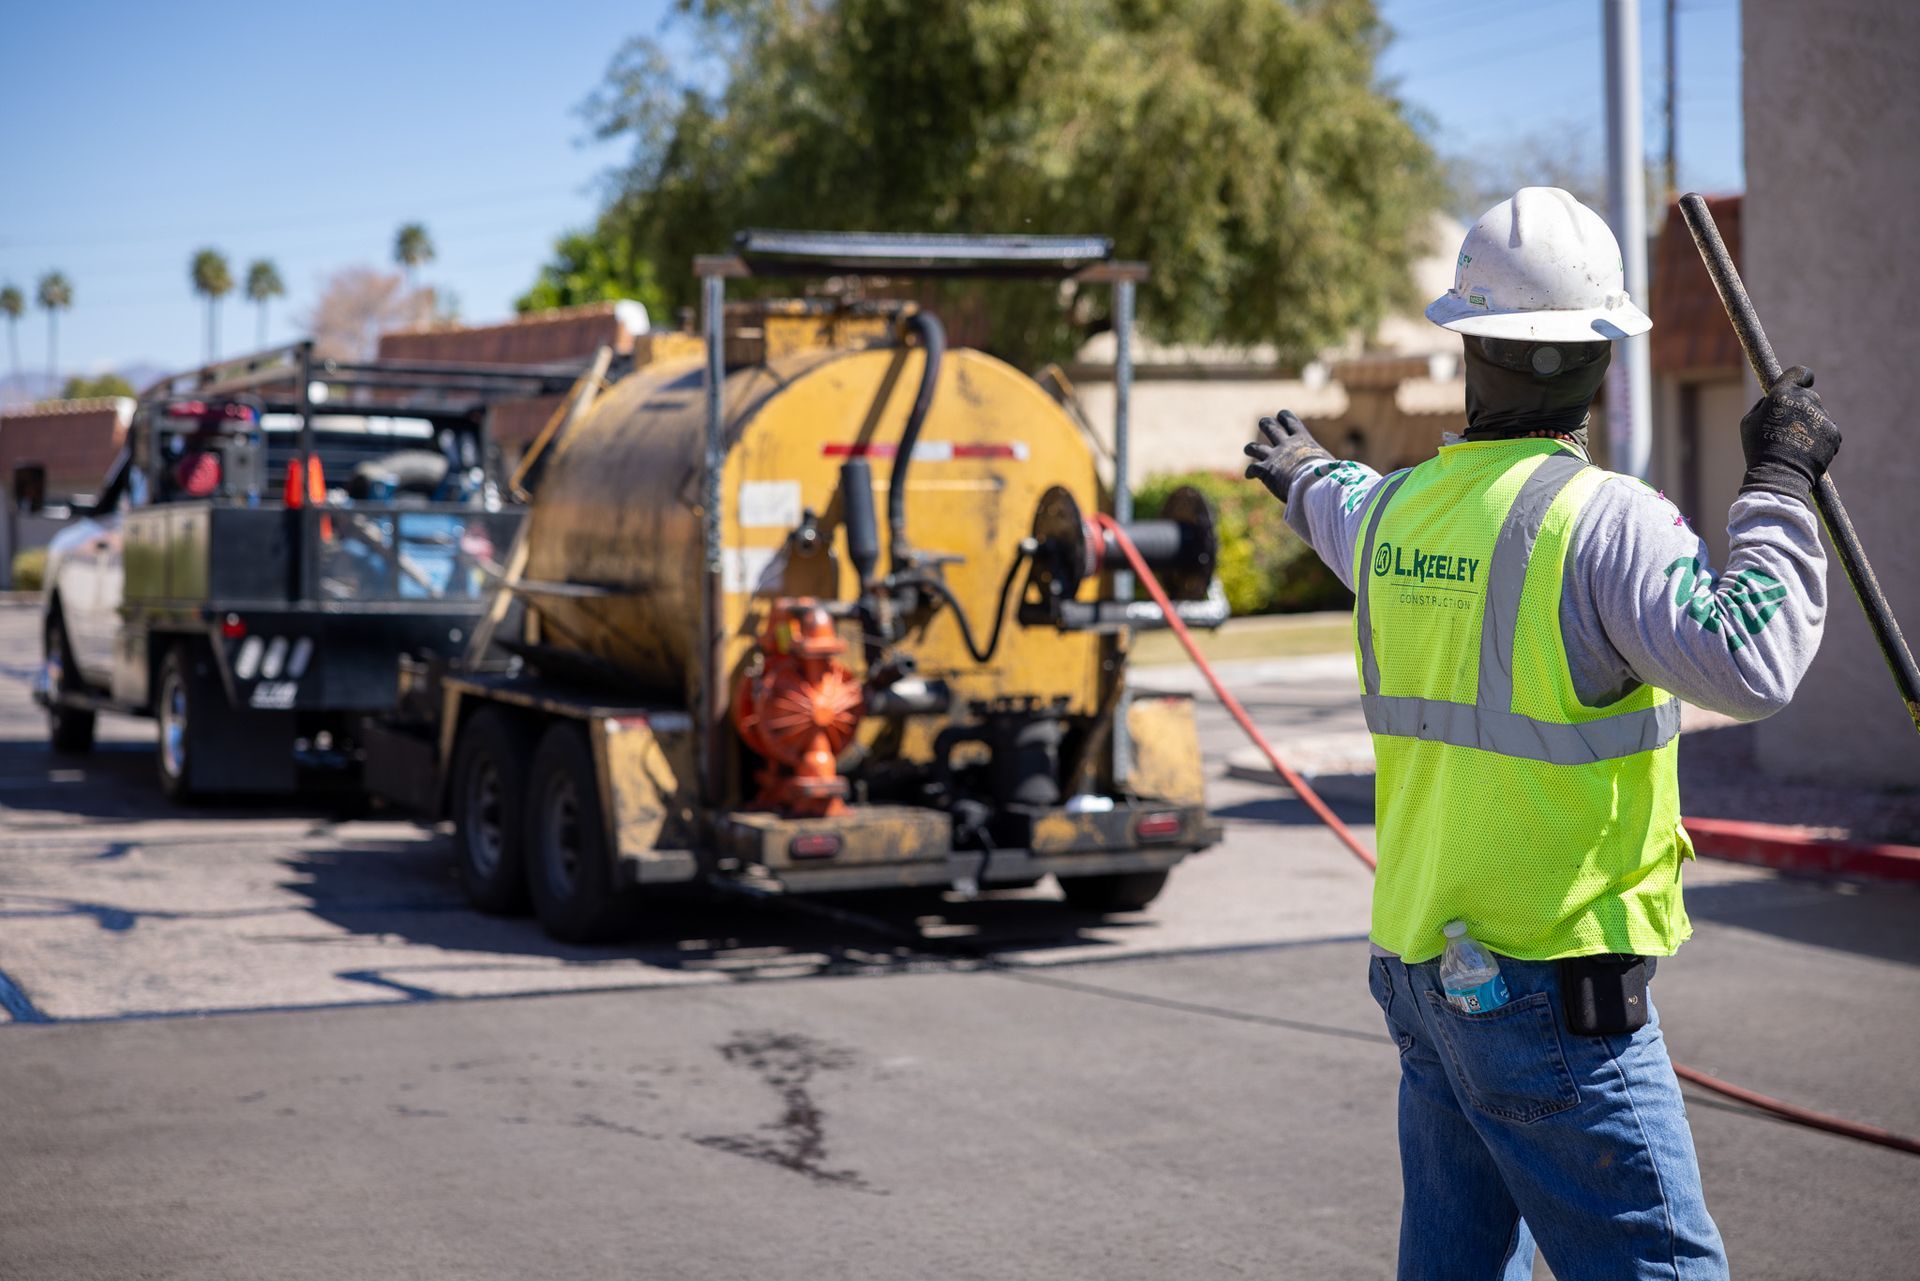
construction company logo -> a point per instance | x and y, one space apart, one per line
1414 565
1354 480
1480 296
1742 605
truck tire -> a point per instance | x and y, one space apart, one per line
569 867
176 707
1119 892
489 791
69 729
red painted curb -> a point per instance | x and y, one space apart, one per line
1796 849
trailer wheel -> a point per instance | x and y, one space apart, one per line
489 790
569 867
175 710
69 729
1119 892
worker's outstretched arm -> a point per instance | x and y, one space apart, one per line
1654 610
1325 498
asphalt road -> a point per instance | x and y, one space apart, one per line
270 1042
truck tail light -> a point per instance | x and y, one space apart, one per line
814 845
1157 827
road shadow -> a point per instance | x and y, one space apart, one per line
1877 919
407 892
116 781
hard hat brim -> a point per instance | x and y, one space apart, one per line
1593 324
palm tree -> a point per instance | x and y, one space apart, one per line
12 303
263 285
54 295
212 281
411 247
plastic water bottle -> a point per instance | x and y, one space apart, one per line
1468 973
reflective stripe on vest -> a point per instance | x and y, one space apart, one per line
1490 723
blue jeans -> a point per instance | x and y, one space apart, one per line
1515 1130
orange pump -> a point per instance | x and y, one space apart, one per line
800 710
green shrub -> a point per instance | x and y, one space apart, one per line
1264 566
29 569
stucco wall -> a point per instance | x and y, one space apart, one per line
1832 258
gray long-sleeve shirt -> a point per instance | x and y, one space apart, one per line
1640 604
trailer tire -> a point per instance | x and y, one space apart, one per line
1118 892
570 869
488 795
69 729
176 706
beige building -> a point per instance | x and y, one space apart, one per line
1384 401
1832 261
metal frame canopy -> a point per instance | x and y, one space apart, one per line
773 254
768 253
287 375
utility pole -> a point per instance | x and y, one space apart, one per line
1673 160
1629 382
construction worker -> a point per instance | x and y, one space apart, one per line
1526 626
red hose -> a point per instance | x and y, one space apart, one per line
1752 1098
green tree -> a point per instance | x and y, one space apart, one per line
411 247
79 387
12 304
593 267
1244 148
54 295
213 280
263 286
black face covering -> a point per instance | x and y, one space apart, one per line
1519 388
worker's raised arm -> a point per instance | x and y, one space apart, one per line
1325 498
1738 641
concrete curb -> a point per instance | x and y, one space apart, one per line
1797 849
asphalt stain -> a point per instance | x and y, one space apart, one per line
787 1062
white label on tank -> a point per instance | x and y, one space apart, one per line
769 504
753 569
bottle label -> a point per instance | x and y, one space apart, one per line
1490 995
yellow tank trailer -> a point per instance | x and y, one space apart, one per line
839 626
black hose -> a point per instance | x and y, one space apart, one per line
945 593
933 341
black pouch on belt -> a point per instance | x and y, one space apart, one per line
1606 995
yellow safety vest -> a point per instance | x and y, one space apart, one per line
1550 827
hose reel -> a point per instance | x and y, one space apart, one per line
1181 545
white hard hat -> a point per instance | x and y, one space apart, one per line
1541 267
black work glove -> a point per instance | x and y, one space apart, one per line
1789 439
1288 447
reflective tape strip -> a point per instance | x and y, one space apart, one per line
1363 624
1507 574
1510 734
929 451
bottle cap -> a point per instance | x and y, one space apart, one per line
1454 929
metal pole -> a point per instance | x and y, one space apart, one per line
713 290
309 584
1671 106
1629 383
1122 492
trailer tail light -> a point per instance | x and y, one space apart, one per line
814 845
233 627
1156 827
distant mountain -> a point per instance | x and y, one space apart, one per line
28 386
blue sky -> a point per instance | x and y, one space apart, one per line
133 134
